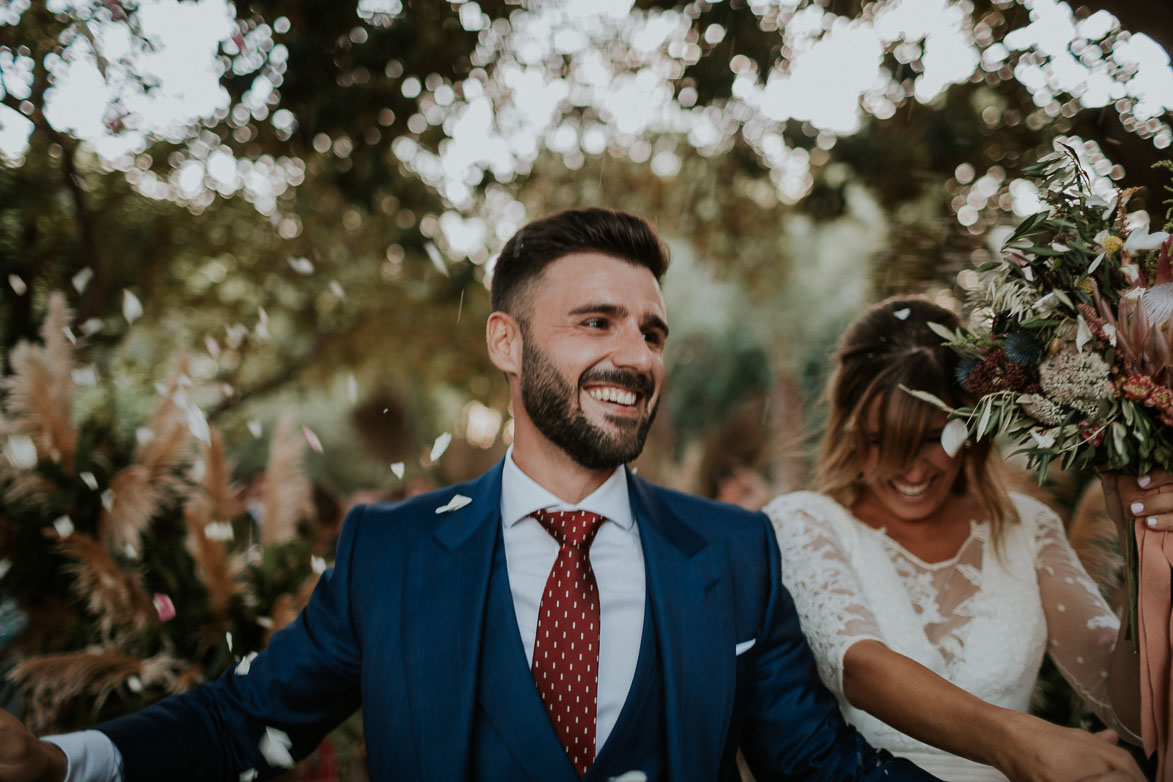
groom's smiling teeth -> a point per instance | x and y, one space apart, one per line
612 394
911 489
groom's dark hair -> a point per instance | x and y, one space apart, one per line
592 230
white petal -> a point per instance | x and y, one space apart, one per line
397 468
82 279
1083 335
301 265
108 499
64 526
902 314
440 446
21 451
84 376
436 258
1042 439
1140 241
457 502
275 746
245 665
5 564
312 439
1028 273
218 530
132 308
198 425
254 428
248 775
953 436
352 388
318 565
134 684
19 286
91 327
89 480
337 290
228 638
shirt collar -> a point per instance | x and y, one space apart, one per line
521 495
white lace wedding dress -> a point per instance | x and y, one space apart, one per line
981 619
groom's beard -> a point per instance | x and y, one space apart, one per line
551 404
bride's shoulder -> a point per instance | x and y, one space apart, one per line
806 505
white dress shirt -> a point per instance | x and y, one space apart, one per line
616 557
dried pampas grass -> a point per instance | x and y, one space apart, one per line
40 388
116 597
287 495
219 570
140 489
52 681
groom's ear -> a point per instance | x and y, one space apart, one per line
503 337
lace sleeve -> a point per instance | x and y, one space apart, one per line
817 571
1081 628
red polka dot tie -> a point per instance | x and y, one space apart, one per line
566 651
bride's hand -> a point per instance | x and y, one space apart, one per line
1051 753
1148 497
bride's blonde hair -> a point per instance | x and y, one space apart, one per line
889 346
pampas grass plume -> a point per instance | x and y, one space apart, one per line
287 496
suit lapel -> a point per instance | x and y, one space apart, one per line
448 577
694 624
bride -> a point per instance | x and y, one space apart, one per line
928 592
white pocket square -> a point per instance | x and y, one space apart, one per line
744 646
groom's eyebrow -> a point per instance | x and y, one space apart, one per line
619 311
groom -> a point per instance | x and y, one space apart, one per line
558 618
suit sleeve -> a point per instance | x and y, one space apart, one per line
793 728
300 687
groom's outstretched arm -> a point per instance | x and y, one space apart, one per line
793 728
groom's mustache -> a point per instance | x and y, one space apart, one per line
623 378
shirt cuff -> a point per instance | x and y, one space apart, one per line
91 756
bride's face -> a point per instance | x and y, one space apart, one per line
926 481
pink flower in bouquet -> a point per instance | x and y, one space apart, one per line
1135 387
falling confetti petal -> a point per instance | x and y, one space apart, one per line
318 565
301 265
91 327
312 439
457 502
902 314
1041 439
265 622
352 388
275 746
69 335
228 638
198 425
212 346
132 308
336 289
630 776
248 775
85 376
130 551
953 436
218 530
89 480
143 435
64 526
108 499
5 564
397 468
235 335
21 451
18 285
440 446
82 279
134 683
254 428
262 329
245 665
164 607
437 259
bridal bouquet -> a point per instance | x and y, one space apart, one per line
1069 351
1070 343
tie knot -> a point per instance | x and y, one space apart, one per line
574 527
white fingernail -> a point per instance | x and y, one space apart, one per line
1137 508
1151 521
1144 481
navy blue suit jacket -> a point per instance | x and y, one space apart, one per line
396 627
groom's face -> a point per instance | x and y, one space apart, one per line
593 361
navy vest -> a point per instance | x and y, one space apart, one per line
512 737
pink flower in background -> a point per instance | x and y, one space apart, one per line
164 607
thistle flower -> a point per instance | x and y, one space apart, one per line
1022 348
